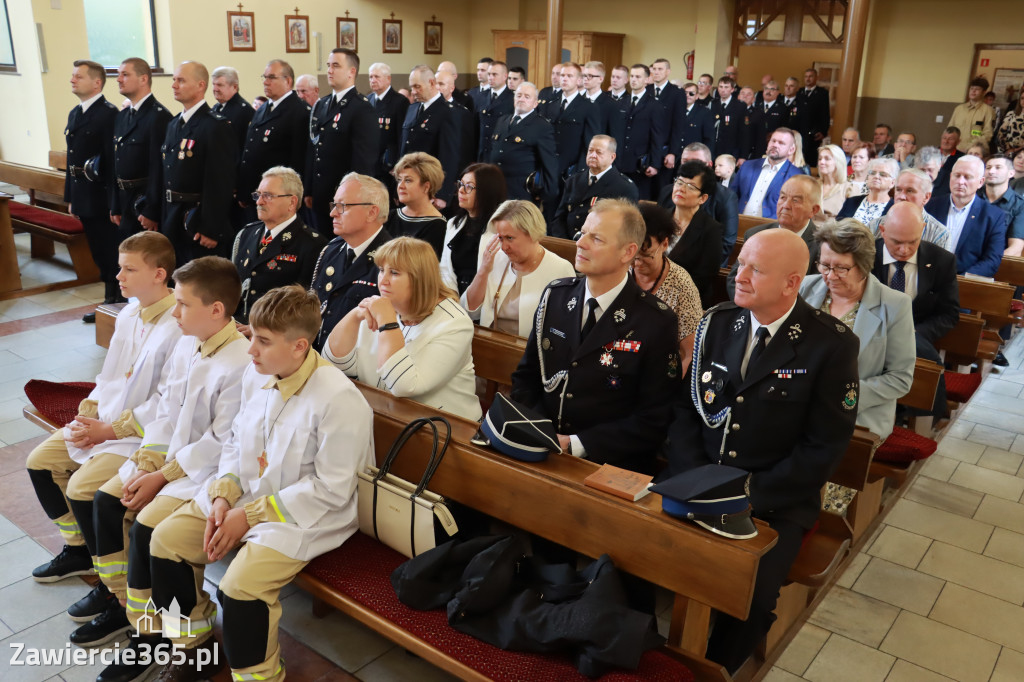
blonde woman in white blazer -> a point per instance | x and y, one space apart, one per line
514 270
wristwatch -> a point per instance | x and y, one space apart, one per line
387 327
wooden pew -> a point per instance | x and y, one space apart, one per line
1011 271
46 219
748 221
992 301
564 248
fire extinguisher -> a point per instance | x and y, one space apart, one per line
688 58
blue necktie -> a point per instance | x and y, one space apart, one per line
899 279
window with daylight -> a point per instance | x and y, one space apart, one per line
118 29
6 45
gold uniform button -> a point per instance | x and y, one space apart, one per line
569 396
739 399
735 427
330 270
329 286
732 453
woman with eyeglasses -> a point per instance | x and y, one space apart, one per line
881 179
480 190
414 340
418 177
697 242
659 276
878 314
514 270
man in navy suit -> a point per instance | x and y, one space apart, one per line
926 273
759 183
769 115
817 115
691 123
498 105
728 113
430 127
646 130
523 145
977 229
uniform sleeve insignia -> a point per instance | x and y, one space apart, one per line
850 399
620 316
286 236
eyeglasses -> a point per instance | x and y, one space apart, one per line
879 173
691 93
270 77
267 196
468 186
341 206
839 271
588 76
679 182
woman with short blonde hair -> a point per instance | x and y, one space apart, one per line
418 177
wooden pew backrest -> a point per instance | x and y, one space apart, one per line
748 221
564 248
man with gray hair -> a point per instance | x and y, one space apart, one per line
307 88
610 404
929 161
977 229
278 134
583 189
914 186
230 104
524 148
278 249
389 109
431 127
346 273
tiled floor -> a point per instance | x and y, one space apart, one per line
937 594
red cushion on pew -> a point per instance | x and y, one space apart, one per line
960 387
61 222
361 569
904 445
1016 306
58 402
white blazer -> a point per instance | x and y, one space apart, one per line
195 412
885 328
316 444
134 374
551 267
435 367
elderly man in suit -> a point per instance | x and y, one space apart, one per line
345 272
759 183
613 346
389 108
788 430
278 134
431 126
230 104
524 148
926 273
977 229
583 189
799 201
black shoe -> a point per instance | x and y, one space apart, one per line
105 627
89 318
1001 360
71 561
91 605
124 672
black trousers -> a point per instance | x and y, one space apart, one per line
734 640
103 238
926 351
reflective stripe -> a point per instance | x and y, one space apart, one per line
156 447
237 481
194 628
136 605
280 509
113 568
245 677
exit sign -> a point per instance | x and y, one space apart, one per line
984 62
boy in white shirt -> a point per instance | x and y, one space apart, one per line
68 468
286 489
180 450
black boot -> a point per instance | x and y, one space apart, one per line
107 626
71 561
125 672
91 605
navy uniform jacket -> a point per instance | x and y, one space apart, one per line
789 430
87 135
547 94
389 112
611 118
346 141
579 195
340 289
936 306
645 136
239 114
274 138
728 122
199 159
527 147
479 96
979 251
697 125
621 380
795 114
762 125
574 129
817 117
288 259
463 98
491 111
137 140
434 132
466 122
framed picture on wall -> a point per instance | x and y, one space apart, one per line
296 34
433 37
392 35
348 33
241 32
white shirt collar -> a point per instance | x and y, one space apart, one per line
280 99
887 258
385 93
571 97
618 93
141 102
639 95
85 104
774 327
970 203
426 105
725 102
280 228
599 175
522 116
497 93
338 94
187 114
605 300
358 250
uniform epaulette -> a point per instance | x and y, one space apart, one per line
253 224
564 282
656 303
831 323
627 178
217 115
110 105
718 307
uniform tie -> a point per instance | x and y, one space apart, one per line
657 93
591 318
515 121
760 341
899 279
265 240
636 98
350 257
593 179
565 103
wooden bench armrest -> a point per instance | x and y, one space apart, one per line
926 381
36 417
852 471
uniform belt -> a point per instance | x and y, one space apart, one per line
131 184
173 197
76 171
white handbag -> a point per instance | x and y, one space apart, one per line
399 513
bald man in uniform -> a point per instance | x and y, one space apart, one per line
787 430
